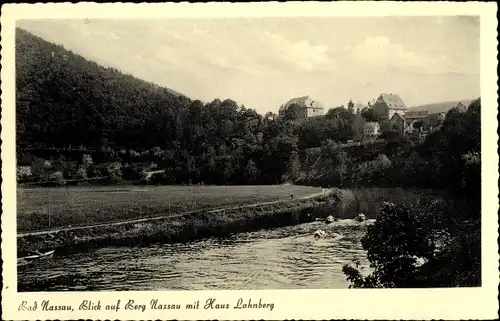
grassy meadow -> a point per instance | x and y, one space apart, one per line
44 208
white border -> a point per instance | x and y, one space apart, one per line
472 303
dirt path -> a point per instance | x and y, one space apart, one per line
134 221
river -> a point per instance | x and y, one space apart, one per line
282 258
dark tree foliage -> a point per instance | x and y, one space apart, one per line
350 107
293 112
390 135
339 112
370 115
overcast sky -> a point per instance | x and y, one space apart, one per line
262 63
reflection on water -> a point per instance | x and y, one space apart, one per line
284 258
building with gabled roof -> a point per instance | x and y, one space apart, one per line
387 105
310 107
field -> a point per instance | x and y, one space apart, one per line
45 208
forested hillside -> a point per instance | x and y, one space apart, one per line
64 99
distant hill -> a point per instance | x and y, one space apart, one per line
441 107
64 99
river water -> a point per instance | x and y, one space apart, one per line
282 258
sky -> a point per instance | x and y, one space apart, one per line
262 63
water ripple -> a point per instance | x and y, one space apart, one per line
283 258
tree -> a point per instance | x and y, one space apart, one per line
350 107
293 166
390 135
418 124
293 112
370 115
420 245
86 160
357 124
277 157
338 112
251 172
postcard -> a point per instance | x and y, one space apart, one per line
297 160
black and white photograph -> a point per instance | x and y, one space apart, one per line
248 153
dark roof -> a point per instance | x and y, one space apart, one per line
393 101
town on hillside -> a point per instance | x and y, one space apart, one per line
387 113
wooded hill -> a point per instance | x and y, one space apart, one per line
62 99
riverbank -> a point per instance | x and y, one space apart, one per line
195 224
170 229
49 208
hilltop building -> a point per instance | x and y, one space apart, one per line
420 120
309 107
387 105
432 119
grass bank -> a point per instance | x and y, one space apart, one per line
206 222
179 228
47 208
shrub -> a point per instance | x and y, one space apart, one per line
69 169
39 172
81 173
133 154
87 160
23 172
93 171
370 172
423 244
58 178
47 164
114 171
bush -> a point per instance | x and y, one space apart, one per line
87 160
81 173
23 173
93 171
114 171
370 172
47 164
69 169
133 154
424 244
58 178
39 172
